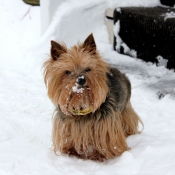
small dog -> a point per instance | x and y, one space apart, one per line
93 113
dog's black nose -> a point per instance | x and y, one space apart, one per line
81 80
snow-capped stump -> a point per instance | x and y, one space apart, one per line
146 33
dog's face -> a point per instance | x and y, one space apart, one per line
76 77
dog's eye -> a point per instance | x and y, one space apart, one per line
87 70
68 72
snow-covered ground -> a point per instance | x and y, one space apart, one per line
26 111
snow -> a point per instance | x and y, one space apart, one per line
162 61
77 89
26 111
116 33
119 41
168 15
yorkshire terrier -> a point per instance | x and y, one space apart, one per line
93 113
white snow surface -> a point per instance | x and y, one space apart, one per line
26 111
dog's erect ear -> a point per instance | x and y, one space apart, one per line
89 44
56 50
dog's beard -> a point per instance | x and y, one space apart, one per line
76 101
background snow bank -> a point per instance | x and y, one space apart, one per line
74 20
25 110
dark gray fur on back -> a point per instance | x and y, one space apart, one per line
120 88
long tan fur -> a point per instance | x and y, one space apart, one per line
100 134
89 138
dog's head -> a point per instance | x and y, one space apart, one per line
76 77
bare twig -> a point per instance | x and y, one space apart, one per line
28 12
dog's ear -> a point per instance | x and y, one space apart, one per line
56 50
89 44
